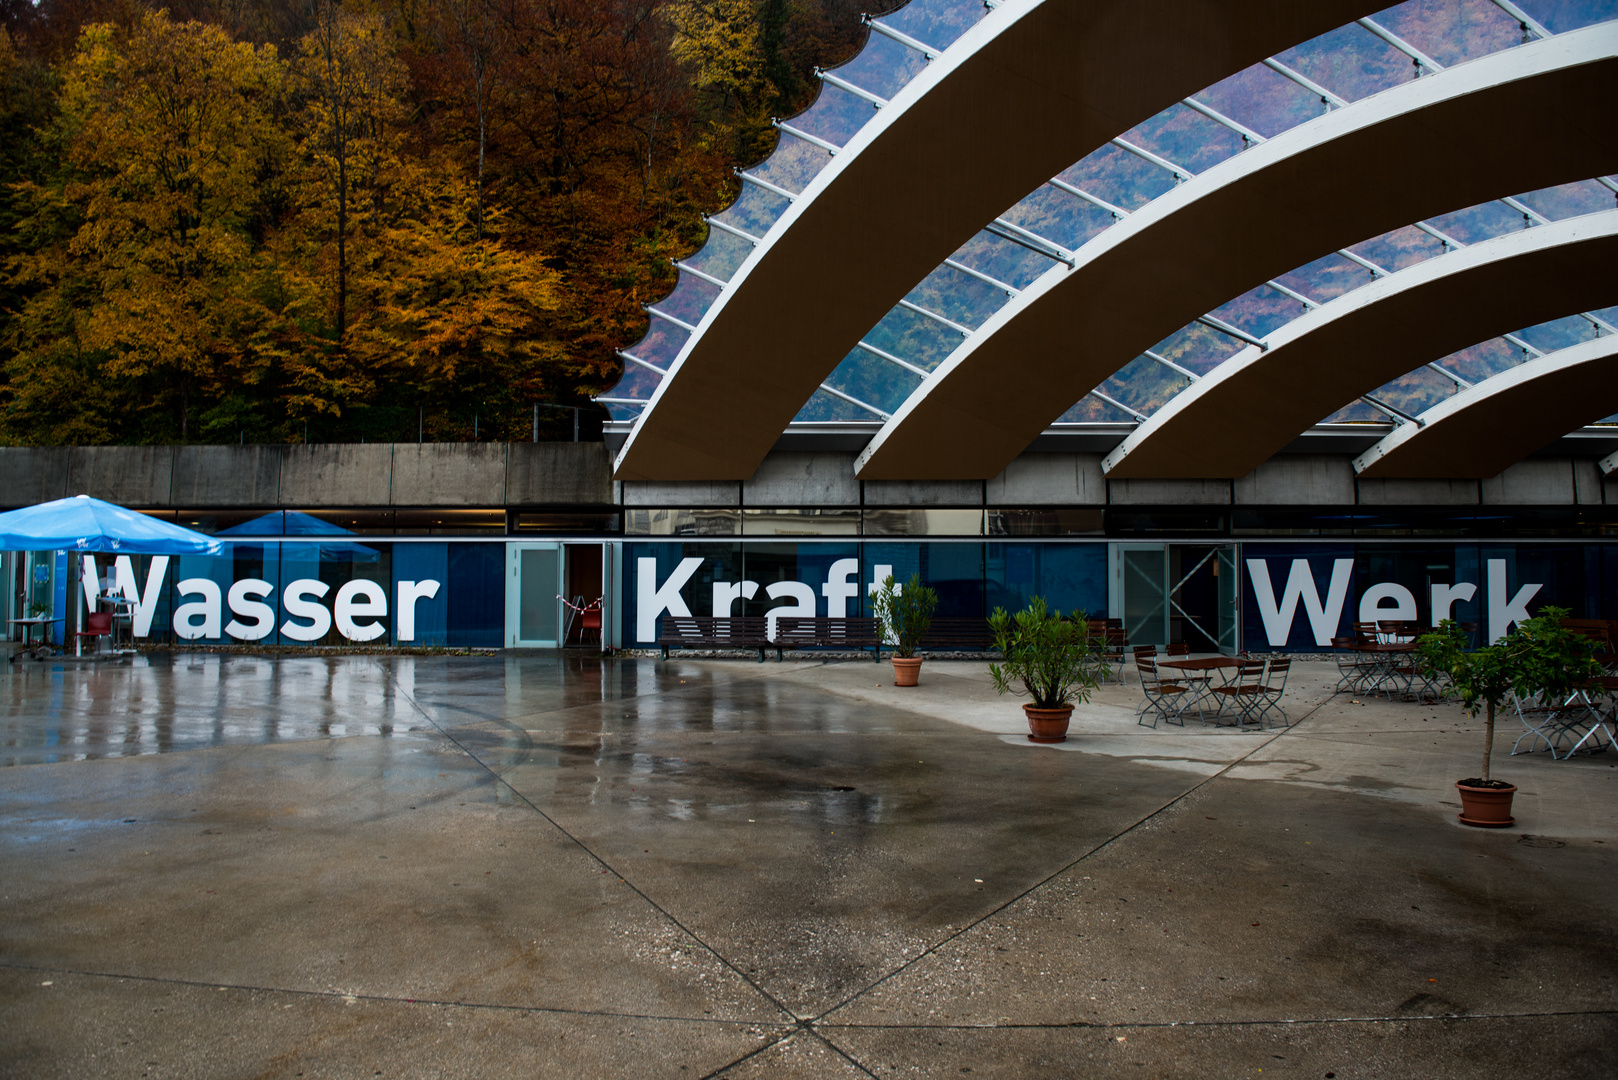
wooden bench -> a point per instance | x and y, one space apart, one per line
803 632
714 632
953 632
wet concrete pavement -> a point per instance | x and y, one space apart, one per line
490 866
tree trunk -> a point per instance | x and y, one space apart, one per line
1488 736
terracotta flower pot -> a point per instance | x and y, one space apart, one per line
1047 725
906 670
1486 807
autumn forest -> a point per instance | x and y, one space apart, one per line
257 221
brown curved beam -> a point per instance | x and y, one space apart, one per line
1424 148
1485 429
1231 421
1029 90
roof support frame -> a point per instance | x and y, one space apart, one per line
1329 165
1485 429
1255 403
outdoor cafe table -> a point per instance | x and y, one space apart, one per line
28 630
1223 666
1385 657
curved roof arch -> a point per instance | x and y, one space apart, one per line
1255 403
1355 172
1034 86
1492 425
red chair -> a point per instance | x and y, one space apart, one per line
97 624
590 623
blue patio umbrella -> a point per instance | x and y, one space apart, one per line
298 527
87 525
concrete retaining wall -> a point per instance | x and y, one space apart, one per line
580 474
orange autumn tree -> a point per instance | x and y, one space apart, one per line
449 309
141 301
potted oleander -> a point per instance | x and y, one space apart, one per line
1539 657
1057 661
904 612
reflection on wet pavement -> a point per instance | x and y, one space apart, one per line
555 865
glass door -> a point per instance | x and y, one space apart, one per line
533 606
1141 591
1226 569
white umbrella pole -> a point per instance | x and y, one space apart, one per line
77 598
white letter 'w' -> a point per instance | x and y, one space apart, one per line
1300 584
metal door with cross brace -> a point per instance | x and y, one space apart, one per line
1140 591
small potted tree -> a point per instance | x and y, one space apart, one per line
904 613
1539 657
1057 661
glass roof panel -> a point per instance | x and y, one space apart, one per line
913 338
1092 410
793 164
1121 178
1558 333
1416 392
1357 413
1198 347
873 380
689 302
1002 260
1187 138
958 297
1351 62
754 210
1260 312
1326 279
1398 249
936 22
1560 16
1570 200
660 345
825 407
1478 223
1264 100
882 67
637 384
1484 359
1059 217
1145 385
1452 31
721 255
835 116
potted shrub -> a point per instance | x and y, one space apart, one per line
1538 657
904 612
1057 661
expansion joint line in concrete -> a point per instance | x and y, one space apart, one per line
787 1027
582 846
1304 1021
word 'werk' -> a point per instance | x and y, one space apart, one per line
1387 600
355 609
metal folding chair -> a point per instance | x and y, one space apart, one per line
1353 667
1165 699
1271 687
1245 689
